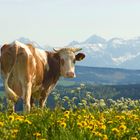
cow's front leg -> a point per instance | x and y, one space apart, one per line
42 101
27 97
44 95
32 102
43 98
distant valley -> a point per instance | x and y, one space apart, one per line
106 76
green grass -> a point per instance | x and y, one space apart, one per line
66 83
1 94
89 119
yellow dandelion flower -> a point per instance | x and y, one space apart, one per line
102 127
92 117
79 117
105 137
134 138
84 123
91 123
115 130
83 110
122 127
79 125
1 124
36 134
19 118
11 117
63 124
14 131
110 122
67 112
120 117
27 121
98 134
66 116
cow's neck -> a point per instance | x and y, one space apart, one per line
52 75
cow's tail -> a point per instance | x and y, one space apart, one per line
10 93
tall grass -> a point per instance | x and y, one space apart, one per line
90 119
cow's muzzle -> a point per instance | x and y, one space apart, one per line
70 75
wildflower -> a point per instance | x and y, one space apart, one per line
11 117
84 123
79 117
1 124
82 85
14 131
36 134
134 138
115 130
122 127
102 127
67 112
105 137
63 124
110 122
78 88
79 125
28 122
120 117
72 91
65 98
19 118
83 110
98 134
84 102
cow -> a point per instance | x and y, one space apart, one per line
30 73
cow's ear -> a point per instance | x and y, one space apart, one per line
79 56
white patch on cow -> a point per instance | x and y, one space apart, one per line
34 62
23 46
68 63
42 56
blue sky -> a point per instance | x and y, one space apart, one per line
58 22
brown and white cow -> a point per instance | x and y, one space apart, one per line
30 73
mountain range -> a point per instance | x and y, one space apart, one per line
114 53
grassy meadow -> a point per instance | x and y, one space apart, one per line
74 118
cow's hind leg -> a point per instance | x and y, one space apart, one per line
27 96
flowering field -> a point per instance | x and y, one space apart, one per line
89 119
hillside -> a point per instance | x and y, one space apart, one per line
107 76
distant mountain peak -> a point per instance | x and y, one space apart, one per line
94 39
73 43
28 41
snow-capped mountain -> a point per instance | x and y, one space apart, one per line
116 52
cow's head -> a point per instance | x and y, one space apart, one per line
68 59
